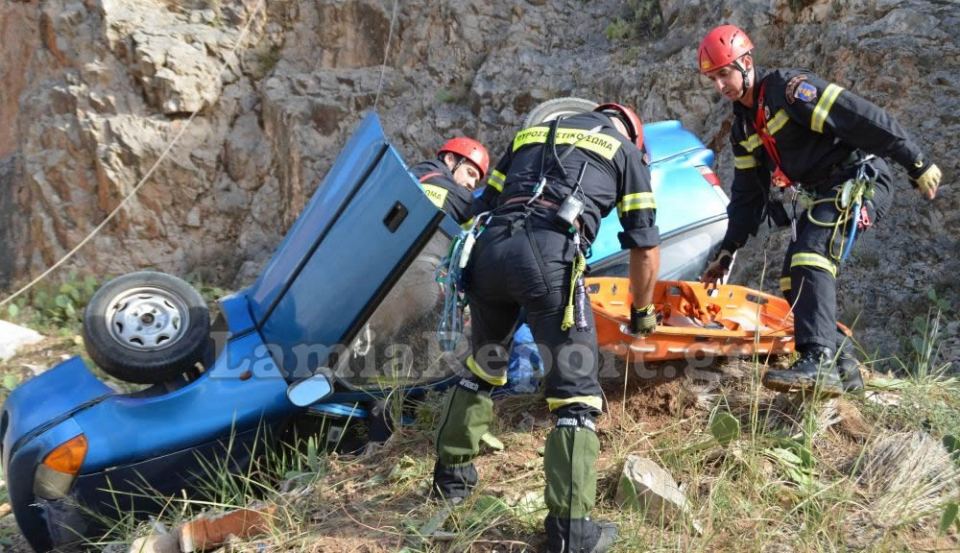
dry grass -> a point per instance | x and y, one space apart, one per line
870 477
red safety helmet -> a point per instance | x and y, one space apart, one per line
469 149
721 47
629 117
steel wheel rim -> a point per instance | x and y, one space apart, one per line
147 319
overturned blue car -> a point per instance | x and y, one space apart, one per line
326 331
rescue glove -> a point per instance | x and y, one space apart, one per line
643 321
927 180
718 268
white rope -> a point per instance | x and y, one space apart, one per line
136 189
386 53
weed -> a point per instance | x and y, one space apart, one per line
924 346
455 95
618 29
644 19
268 58
55 307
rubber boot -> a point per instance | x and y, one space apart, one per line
453 483
814 372
569 461
466 418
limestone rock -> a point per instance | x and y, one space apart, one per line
156 543
178 77
13 337
646 487
95 90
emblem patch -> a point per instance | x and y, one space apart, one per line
792 87
806 92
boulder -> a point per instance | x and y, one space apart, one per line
13 337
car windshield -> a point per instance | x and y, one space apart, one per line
398 346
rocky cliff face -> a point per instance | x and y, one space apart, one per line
94 90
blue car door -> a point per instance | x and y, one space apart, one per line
364 227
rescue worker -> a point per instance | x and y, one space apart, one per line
807 153
450 179
544 202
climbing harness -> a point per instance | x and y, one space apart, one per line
850 205
449 275
450 272
778 177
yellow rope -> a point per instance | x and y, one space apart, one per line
579 266
845 215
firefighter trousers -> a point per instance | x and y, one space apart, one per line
810 267
526 262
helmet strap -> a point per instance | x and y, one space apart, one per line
442 157
460 160
743 73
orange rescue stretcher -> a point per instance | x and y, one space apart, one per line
695 321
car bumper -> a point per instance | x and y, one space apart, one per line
98 500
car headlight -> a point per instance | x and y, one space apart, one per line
59 469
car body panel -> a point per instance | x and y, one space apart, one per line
19 470
684 198
666 139
360 153
244 402
333 293
236 310
244 388
41 408
345 253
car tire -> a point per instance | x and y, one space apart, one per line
146 327
551 109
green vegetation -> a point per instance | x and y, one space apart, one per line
643 20
456 95
54 307
760 471
268 58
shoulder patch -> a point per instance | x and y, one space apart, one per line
436 194
791 89
806 92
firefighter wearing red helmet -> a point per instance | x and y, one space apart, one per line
808 154
543 204
449 180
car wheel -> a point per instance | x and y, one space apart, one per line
146 327
551 109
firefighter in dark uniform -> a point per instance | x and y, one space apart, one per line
808 154
449 180
544 202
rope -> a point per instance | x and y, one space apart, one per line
143 180
449 276
450 326
846 203
579 266
386 54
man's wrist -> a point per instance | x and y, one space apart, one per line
919 167
645 310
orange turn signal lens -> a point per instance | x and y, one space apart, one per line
68 456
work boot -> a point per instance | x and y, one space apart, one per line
815 370
453 484
582 535
849 369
